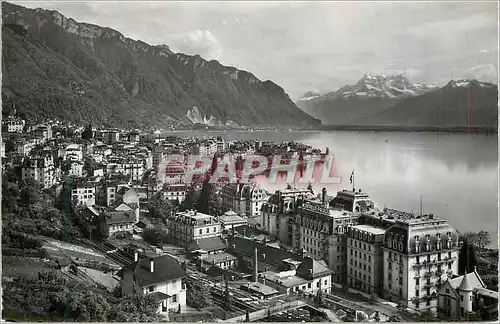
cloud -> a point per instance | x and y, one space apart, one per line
198 41
483 72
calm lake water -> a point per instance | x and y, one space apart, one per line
455 174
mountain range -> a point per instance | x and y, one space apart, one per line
56 67
395 101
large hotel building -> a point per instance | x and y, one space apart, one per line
399 256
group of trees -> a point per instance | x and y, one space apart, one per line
155 236
50 297
206 201
198 295
28 209
481 239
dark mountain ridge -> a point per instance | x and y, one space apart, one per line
56 67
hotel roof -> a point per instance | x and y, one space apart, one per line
370 229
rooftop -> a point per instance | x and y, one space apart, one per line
370 229
219 257
260 288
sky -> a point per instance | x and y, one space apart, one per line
318 46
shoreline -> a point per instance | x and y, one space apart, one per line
351 128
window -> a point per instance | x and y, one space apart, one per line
364 246
201 231
461 298
447 291
215 229
151 288
208 230
417 281
417 293
418 260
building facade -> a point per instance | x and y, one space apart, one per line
189 226
244 199
365 258
421 253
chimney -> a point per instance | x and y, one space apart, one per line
255 265
323 197
136 256
152 265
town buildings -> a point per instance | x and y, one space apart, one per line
277 214
13 125
41 167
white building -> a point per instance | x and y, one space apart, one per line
162 277
42 169
421 253
13 125
73 152
187 227
83 193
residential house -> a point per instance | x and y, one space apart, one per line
309 277
462 297
118 221
82 192
161 277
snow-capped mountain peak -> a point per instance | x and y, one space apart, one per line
309 95
382 86
464 83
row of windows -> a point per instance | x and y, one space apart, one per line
428 258
358 275
365 256
120 226
361 265
358 244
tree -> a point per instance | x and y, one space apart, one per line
137 308
30 192
155 236
159 207
209 202
470 237
87 133
483 238
191 199
198 294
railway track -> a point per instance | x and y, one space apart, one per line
113 253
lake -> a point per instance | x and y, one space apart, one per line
455 174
